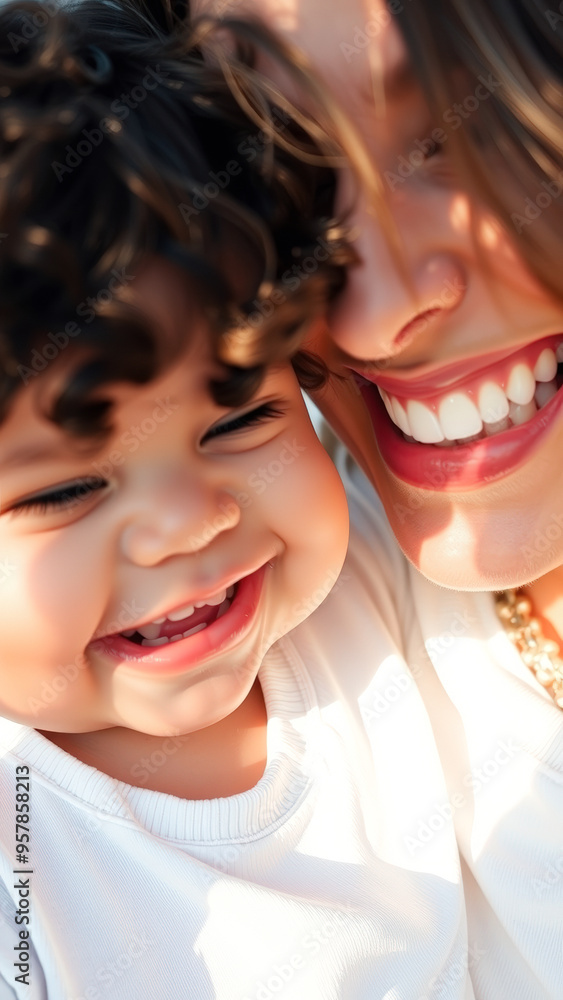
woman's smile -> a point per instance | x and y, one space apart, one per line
479 427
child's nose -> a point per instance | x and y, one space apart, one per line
177 517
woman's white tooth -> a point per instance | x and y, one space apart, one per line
559 352
196 628
459 417
386 402
521 385
159 621
493 404
544 392
471 439
545 368
497 427
155 642
400 417
520 414
175 638
149 631
128 632
424 424
176 616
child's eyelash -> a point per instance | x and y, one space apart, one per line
267 411
62 498
75 493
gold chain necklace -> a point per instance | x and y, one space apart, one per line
541 655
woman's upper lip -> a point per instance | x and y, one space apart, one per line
435 378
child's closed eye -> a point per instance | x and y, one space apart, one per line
62 498
259 415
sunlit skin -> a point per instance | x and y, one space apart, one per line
484 537
168 521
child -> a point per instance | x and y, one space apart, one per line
194 804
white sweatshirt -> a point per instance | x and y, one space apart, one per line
500 740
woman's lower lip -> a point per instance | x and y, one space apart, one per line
467 466
187 654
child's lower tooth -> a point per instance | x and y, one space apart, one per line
196 628
155 642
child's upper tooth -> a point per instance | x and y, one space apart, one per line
545 368
212 601
459 416
176 616
424 424
149 631
217 598
521 385
493 404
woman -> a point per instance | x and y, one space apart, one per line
453 324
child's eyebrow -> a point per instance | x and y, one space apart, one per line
30 453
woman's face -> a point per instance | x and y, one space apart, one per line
468 350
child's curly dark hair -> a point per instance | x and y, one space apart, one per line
119 139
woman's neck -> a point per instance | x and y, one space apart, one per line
546 595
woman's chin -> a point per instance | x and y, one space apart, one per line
495 552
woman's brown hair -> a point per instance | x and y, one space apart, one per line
508 151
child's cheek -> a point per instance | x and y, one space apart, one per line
308 511
47 599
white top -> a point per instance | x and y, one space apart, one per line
337 877
500 738
303 887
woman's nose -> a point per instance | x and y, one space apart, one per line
178 515
389 295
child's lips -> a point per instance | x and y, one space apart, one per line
221 634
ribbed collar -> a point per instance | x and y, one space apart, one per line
288 696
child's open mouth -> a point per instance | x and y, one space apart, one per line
184 622
190 635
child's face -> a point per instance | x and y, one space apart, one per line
184 501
